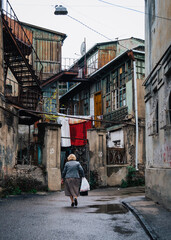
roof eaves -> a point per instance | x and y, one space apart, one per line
45 29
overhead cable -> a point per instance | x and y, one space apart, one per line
85 25
132 9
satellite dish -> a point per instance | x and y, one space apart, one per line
83 48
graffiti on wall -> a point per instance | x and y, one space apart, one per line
6 157
162 155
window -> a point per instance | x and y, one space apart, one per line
153 123
98 86
108 103
86 103
140 67
75 109
92 63
107 84
117 143
119 92
129 72
156 120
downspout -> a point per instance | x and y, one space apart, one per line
136 115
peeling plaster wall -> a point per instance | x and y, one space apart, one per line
129 142
115 174
157 31
97 149
50 138
8 125
158 89
8 143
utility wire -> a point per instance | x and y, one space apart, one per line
85 25
132 9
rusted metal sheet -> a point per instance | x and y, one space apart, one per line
25 36
106 54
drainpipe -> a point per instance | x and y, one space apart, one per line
136 115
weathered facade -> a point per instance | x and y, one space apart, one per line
158 101
21 76
109 96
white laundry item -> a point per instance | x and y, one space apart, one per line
65 132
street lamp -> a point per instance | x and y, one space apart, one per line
60 10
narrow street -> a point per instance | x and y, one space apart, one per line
100 215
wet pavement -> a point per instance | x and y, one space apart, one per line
109 213
155 219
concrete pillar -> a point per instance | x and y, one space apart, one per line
97 148
50 137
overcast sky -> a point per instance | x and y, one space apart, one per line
104 21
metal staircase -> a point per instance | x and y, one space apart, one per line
18 56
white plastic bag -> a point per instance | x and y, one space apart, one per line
84 185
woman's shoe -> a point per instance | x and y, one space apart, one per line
75 202
72 204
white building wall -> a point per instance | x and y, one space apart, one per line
116 136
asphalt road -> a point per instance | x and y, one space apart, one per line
100 215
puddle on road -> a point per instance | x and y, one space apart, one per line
123 230
110 209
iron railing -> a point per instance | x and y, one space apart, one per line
116 156
18 30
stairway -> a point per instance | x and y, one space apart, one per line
17 53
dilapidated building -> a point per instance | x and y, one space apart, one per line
158 100
113 95
29 56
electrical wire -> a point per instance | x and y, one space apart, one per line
132 9
85 25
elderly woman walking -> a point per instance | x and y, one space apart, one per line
72 173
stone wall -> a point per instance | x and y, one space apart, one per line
29 171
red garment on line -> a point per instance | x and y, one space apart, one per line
78 133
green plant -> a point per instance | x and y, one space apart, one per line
132 178
93 179
16 185
124 184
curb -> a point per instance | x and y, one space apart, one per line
150 232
